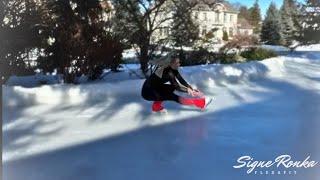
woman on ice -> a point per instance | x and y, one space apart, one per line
155 87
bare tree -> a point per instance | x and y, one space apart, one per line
138 20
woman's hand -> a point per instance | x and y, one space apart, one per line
197 93
190 91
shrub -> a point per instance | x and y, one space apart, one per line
225 36
257 54
230 58
238 42
13 66
201 56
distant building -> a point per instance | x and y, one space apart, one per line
214 17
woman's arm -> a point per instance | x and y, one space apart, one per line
182 81
174 82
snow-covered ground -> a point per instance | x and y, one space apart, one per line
105 130
313 47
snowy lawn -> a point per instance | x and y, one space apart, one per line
106 130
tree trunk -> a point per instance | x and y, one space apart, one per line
144 59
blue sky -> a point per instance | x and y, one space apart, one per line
264 4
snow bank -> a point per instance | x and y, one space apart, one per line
212 75
127 72
32 81
129 53
204 76
313 47
17 96
275 48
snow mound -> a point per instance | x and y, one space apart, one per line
127 72
213 75
17 96
129 53
204 76
33 80
275 48
312 47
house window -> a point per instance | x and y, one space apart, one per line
205 16
246 32
230 32
231 18
225 18
160 32
216 17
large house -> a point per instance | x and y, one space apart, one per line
215 17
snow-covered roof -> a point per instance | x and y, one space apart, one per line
210 5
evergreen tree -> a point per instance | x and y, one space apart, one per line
244 13
289 26
21 31
310 23
185 30
270 33
82 42
255 17
70 36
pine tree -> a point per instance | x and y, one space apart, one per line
244 13
70 29
270 33
20 33
81 41
310 23
289 26
255 16
185 30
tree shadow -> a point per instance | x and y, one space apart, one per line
14 104
19 138
312 55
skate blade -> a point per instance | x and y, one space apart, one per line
163 111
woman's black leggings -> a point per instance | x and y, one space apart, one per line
162 92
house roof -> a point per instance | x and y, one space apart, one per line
210 5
